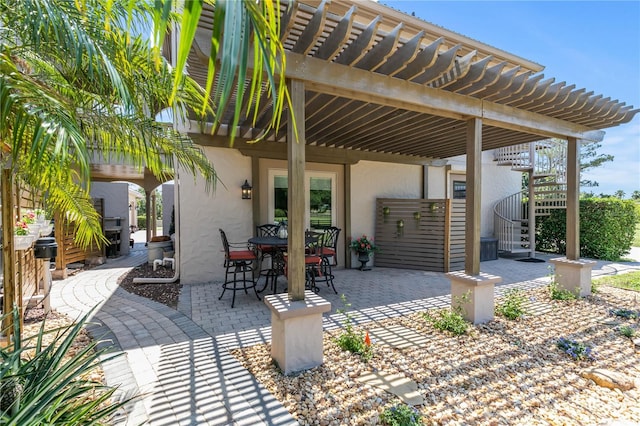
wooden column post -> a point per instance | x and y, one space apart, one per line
296 195
473 206
8 254
573 199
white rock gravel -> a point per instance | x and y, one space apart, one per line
503 372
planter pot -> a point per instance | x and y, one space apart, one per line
22 242
363 258
34 229
46 228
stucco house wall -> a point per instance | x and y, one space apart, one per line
116 204
371 180
202 214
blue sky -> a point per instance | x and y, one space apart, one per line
594 45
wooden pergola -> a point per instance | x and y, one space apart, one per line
370 82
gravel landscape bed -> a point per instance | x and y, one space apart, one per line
502 372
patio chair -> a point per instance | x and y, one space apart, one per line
312 260
318 266
238 263
267 230
330 247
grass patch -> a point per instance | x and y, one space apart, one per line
629 281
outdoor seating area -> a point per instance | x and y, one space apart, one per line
265 256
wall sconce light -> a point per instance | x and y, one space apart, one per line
130 206
246 190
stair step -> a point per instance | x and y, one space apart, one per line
520 250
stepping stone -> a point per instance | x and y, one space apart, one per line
609 379
536 308
397 336
406 389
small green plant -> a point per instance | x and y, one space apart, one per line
627 331
450 320
625 313
558 293
577 350
512 307
350 339
401 415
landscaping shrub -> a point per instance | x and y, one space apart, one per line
350 339
607 227
45 385
512 306
142 222
450 320
401 415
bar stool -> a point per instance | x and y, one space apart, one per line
237 263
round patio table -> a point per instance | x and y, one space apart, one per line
277 259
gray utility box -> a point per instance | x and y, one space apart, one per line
488 249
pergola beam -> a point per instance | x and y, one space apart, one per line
352 83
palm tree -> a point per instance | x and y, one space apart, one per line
252 36
75 83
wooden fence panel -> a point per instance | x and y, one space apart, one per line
420 234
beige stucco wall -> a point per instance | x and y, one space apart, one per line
371 180
202 214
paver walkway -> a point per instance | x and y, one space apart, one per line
179 361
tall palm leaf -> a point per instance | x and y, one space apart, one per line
242 30
75 84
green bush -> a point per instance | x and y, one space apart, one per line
142 222
607 227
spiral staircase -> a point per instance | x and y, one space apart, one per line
514 217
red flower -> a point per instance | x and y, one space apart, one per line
367 340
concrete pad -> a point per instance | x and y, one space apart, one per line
397 337
406 389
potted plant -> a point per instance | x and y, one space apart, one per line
363 246
22 239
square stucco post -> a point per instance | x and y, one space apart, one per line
571 272
471 290
296 331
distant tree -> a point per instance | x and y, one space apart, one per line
619 194
635 195
591 159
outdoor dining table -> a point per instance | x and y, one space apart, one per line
277 258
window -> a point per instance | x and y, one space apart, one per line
459 189
320 195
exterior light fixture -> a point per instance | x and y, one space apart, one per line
246 190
